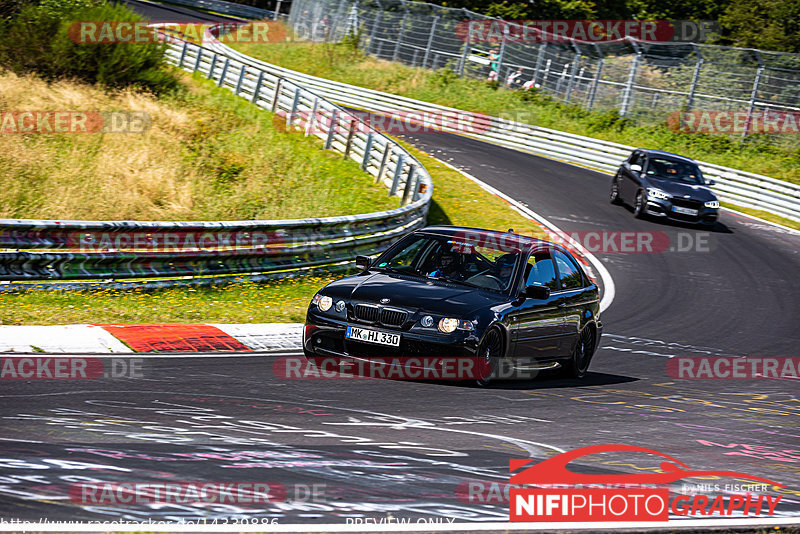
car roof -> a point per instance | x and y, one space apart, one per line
525 242
654 152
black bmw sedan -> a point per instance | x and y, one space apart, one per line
666 185
516 304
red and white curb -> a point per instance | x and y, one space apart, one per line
129 338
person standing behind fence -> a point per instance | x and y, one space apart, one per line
494 64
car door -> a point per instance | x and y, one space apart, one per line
631 180
575 299
537 325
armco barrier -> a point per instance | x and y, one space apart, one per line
737 187
73 250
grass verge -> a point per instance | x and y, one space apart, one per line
760 154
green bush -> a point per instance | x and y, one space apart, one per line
37 39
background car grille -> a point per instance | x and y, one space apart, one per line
393 317
367 313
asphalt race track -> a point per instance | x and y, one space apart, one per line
354 449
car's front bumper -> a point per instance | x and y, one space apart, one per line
658 207
325 336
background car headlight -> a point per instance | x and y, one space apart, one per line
448 325
325 303
712 204
657 193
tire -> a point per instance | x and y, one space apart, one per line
639 206
578 363
614 195
490 351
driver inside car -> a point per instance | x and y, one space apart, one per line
449 266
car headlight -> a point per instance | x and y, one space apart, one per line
322 302
712 204
448 325
657 193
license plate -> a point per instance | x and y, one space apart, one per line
685 211
373 336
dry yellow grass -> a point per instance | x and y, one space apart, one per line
207 155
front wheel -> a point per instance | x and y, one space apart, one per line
578 364
490 352
639 206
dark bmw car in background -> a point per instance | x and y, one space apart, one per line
462 292
666 185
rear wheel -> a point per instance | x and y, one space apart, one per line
578 363
639 206
490 351
614 195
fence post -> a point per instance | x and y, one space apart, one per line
596 81
409 182
756 83
695 78
350 132
276 96
367 150
335 25
430 41
277 10
210 75
374 29
627 93
242 74
293 112
575 62
500 55
331 129
400 33
539 59
183 54
198 59
387 151
257 88
398 171
221 81
312 118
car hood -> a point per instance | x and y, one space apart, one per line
413 294
678 189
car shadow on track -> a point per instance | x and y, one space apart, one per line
549 382
717 228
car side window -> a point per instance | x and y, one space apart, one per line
568 271
540 271
637 158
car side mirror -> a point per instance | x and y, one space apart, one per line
711 182
362 262
636 167
537 292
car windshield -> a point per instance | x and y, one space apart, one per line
674 170
474 259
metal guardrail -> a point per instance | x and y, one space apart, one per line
734 186
73 250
